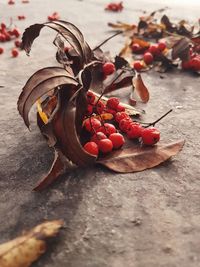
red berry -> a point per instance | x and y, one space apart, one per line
89 110
1 50
186 65
120 116
134 131
16 32
2 37
107 129
100 106
105 145
136 48
161 46
153 49
14 52
11 2
124 124
91 148
90 97
50 18
137 65
117 140
111 111
3 26
97 137
17 43
195 64
108 68
113 102
92 124
120 108
7 36
150 136
148 58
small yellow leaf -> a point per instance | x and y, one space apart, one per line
43 116
24 250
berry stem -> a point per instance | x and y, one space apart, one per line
106 40
156 121
108 87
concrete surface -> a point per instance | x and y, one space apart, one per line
142 219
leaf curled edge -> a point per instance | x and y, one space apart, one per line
136 159
68 30
38 85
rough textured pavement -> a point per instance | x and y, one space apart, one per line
145 219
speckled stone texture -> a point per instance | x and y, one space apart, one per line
145 219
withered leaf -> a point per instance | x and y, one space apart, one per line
181 49
140 88
61 56
58 167
66 29
136 158
120 62
165 20
24 250
118 80
40 83
66 132
142 25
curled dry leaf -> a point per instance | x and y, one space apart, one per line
39 84
136 158
67 30
140 88
26 249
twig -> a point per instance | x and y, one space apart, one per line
106 40
156 121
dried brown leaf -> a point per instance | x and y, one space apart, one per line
181 49
39 84
24 250
65 127
137 158
58 167
140 88
66 29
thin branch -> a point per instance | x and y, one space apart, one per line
106 40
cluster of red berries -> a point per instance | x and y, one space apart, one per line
105 137
148 55
8 35
98 107
134 130
54 16
115 7
193 63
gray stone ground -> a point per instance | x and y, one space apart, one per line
144 219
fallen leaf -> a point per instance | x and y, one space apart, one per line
137 158
24 250
181 49
140 88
